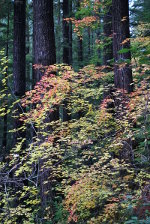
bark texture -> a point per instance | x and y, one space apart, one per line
67 46
19 61
44 50
67 32
80 52
19 47
70 33
4 143
108 48
80 45
121 33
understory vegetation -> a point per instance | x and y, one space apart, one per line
83 150
96 163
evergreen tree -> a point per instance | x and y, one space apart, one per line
86 159
44 54
80 43
19 58
19 47
44 51
67 32
108 47
4 144
121 45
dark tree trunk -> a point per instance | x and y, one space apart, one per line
123 76
4 143
80 52
80 45
70 32
67 46
44 53
58 33
19 47
19 61
67 33
89 43
108 48
28 68
44 50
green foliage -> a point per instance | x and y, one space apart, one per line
96 171
5 95
92 167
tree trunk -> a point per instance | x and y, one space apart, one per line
44 54
19 47
58 36
28 65
67 33
19 61
70 33
108 48
80 44
123 74
67 46
4 143
80 52
89 44
44 50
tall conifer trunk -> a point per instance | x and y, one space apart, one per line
89 44
19 47
58 32
19 61
108 48
80 44
80 52
123 76
67 32
67 45
44 49
70 33
44 53
4 143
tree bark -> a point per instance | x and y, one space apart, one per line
80 44
70 33
44 50
80 52
67 32
4 143
122 74
28 48
89 44
58 35
19 61
67 46
108 48
19 47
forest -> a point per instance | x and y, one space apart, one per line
75 111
